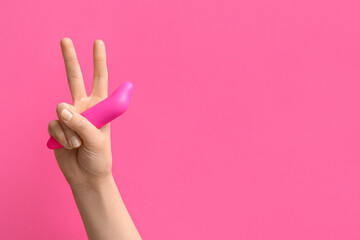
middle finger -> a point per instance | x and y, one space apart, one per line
73 71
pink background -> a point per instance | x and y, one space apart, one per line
244 121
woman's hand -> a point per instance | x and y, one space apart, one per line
86 155
85 159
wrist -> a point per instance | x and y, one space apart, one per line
93 184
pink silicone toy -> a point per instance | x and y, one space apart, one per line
104 111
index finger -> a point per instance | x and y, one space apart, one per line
73 71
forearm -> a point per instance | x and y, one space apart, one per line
103 212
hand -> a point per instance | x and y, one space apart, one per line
86 155
85 159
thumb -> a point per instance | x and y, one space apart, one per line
88 133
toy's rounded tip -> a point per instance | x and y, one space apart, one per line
126 89
53 144
129 86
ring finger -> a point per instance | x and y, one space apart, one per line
57 132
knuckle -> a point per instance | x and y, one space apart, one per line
51 125
58 134
60 106
56 131
74 76
101 78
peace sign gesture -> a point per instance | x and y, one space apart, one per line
87 150
75 79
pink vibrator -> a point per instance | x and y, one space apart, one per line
104 111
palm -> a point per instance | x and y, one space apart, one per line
75 161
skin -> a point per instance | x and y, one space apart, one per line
87 165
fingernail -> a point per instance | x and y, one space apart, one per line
75 141
66 115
